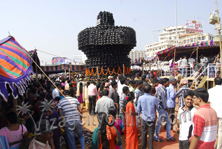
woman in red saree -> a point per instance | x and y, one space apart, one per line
130 124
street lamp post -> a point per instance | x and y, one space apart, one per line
219 31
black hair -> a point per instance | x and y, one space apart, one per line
93 82
113 83
153 90
112 111
57 98
161 81
217 81
58 85
48 97
11 117
125 88
143 77
122 80
202 93
102 118
105 92
138 82
107 80
155 81
80 87
102 86
132 82
62 87
147 88
66 92
88 83
188 93
164 81
130 96
34 90
43 95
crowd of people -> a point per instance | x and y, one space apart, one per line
185 66
133 107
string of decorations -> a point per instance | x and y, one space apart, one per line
90 72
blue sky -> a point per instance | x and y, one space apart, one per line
53 25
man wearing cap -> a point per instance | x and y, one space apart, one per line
203 62
181 91
171 97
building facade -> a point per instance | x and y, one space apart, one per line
168 38
137 54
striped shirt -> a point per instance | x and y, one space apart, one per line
70 110
205 126
122 103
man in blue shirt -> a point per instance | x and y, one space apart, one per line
147 104
161 95
171 97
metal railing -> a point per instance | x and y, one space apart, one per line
185 71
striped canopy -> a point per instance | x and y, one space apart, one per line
200 44
62 68
15 67
196 44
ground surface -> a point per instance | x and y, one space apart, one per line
157 145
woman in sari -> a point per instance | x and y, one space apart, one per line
105 136
130 124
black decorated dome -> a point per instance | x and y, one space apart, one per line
107 45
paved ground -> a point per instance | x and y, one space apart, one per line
157 145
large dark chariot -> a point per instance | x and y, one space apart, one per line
107 46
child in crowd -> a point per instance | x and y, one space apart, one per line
118 123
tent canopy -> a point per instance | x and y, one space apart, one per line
206 48
61 68
15 67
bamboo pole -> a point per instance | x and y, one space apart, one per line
142 68
197 56
36 68
97 71
69 70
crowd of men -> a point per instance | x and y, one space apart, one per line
154 104
199 66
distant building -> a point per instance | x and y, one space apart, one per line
168 38
194 37
137 54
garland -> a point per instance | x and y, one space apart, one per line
89 72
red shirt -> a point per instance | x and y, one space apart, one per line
205 126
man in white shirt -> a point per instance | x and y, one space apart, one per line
184 120
120 87
204 62
216 103
184 66
92 92
179 63
104 103
56 92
